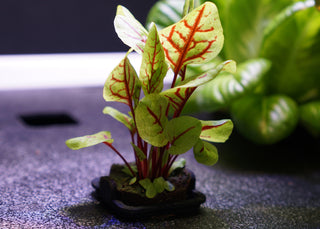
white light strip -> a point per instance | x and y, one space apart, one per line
59 70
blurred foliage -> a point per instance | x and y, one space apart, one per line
277 47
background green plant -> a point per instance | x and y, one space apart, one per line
277 84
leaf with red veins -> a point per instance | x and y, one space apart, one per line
177 97
183 133
129 30
89 140
216 131
151 119
123 84
197 38
154 66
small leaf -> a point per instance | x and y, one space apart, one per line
129 30
168 186
159 184
183 132
310 117
124 119
154 66
133 180
178 95
205 153
216 131
89 140
151 119
149 187
196 38
123 84
140 154
177 165
265 119
228 66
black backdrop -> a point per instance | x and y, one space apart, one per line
63 26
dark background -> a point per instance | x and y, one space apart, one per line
63 26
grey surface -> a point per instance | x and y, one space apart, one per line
43 184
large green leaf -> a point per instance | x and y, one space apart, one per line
183 133
244 22
89 140
310 116
265 119
151 119
154 66
216 131
196 38
228 87
129 30
123 84
294 50
205 153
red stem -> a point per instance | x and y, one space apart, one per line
125 161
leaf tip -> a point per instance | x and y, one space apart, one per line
230 66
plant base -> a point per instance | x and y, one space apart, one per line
130 202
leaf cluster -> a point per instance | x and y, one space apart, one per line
158 131
276 44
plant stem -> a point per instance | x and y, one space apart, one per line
125 161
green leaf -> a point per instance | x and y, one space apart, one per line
129 30
151 119
227 87
168 186
159 184
133 180
89 140
294 51
177 165
149 187
205 153
228 66
244 33
265 119
196 38
154 66
216 131
310 117
123 84
183 132
124 119
165 13
177 96
285 14
140 154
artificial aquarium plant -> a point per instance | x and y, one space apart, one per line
277 83
159 134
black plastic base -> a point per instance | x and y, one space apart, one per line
106 194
